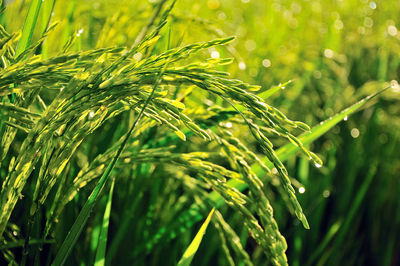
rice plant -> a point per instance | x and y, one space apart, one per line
117 140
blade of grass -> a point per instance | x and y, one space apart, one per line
145 29
168 43
67 38
29 27
194 245
102 243
346 226
2 7
268 93
324 243
20 243
47 11
340 228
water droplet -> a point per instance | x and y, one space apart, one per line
317 74
221 15
328 53
80 31
345 118
228 125
392 30
302 190
326 193
355 133
318 165
338 24
372 5
242 65
91 114
250 45
368 22
395 86
15 233
266 63
137 56
214 54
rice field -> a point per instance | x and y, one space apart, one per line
209 132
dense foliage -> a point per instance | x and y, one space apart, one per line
123 125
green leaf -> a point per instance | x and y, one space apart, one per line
194 245
47 10
102 242
29 27
268 93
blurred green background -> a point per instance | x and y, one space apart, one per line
334 52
